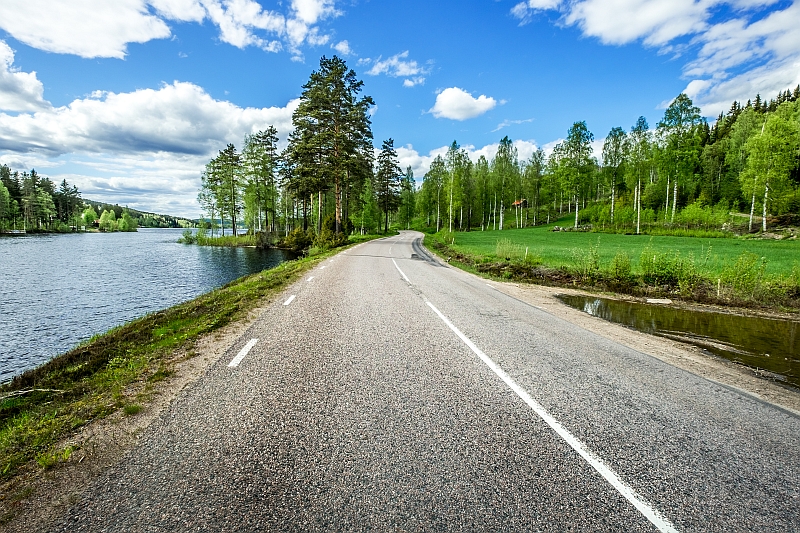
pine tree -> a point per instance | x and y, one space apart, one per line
387 180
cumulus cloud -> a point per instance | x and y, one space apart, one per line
458 104
397 66
97 28
177 118
343 47
144 148
19 91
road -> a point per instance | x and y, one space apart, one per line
386 391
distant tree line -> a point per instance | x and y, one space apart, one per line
682 174
327 181
31 202
28 200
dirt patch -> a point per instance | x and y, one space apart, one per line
678 354
34 499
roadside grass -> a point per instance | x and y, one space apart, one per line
117 370
728 271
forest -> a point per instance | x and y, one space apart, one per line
683 175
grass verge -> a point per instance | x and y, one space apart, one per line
41 407
730 272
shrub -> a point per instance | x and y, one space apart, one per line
587 262
188 237
620 270
297 240
746 275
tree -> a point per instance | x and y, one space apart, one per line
681 144
387 180
639 160
126 223
578 161
332 123
226 171
89 216
260 160
108 221
434 181
771 156
615 150
407 198
505 169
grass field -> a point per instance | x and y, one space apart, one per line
556 249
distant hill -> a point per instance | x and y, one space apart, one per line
143 218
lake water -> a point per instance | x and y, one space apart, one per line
59 290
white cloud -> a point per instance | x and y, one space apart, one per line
144 148
412 82
178 118
19 91
88 28
98 28
507 123
458 104
343 47
397 66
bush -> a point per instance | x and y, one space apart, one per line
188 237
587 262
297 240
746 275
620 270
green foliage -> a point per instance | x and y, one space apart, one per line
188 237
620 271
746 275
297 240
587 262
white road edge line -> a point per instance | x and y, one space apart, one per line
291 298
655 517
402 273
239 356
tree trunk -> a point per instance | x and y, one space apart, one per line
666 205
674 200
764 217
752 209
638 205
576 212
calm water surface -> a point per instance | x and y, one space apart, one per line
760 343
58 290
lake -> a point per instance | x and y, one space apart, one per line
59 290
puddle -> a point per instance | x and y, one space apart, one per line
769 346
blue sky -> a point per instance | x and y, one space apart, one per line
129 99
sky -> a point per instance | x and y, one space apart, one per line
129 99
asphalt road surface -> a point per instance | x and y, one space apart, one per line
389 392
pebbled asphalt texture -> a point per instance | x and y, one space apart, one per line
358 409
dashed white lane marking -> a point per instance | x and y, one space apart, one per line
401 273
655 517
490 286
239 356
323 266
291 298
310 278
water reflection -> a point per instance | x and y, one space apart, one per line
762 343
58 290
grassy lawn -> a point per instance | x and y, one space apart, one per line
556 249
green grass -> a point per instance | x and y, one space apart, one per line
555 249
117 370
725 271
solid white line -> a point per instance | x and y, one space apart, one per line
287 302
663 525
239 356
490 286
401 272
